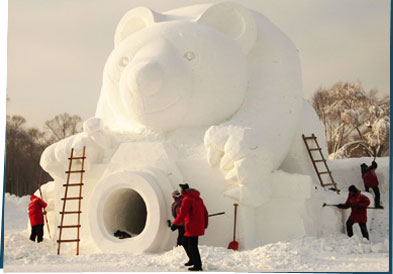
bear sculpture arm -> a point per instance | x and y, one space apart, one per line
55 160
255 140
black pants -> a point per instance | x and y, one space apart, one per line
363 228
191 247
180 236
182 240
377 195
37 231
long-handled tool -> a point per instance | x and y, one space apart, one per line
325 204
375 152
234 244
370 207
46 217
215 214
210 215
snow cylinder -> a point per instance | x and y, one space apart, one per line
131 201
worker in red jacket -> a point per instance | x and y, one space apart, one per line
36 218
195 216
370 180
358 204
176 205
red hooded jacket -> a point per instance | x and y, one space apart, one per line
193 212
358 215
370 179
35 211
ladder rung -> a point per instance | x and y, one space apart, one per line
76 158
69 226
72 198
75 171
73 184
328 184
70 212
308 138
315 149
317 161
324 172
68 241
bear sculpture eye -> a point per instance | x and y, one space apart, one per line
124 61
189 55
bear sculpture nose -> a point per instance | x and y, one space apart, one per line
146 78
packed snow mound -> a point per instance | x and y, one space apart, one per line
15 212
303 255
334 252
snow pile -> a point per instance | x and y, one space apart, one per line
15 212
330 253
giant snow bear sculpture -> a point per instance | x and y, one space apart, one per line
210 95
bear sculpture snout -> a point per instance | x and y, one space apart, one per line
146 78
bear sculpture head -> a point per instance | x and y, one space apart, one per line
167 72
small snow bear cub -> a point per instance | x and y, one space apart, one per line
222 66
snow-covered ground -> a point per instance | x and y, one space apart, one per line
330 253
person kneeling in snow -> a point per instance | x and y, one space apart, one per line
358 204
195 216
36 218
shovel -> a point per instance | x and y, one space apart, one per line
234 244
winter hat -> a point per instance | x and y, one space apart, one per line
175 193
184 187
352 188
363 168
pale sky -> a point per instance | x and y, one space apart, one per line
57 48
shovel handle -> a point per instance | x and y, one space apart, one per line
215 214
325 204
46 217
234 223
368 207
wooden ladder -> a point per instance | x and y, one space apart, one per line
326 169
77 198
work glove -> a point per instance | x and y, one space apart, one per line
174 227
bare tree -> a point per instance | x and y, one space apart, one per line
23 151
356 123
62 126
24 147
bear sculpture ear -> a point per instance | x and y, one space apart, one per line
233 20
134 20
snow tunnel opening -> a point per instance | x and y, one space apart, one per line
125 210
